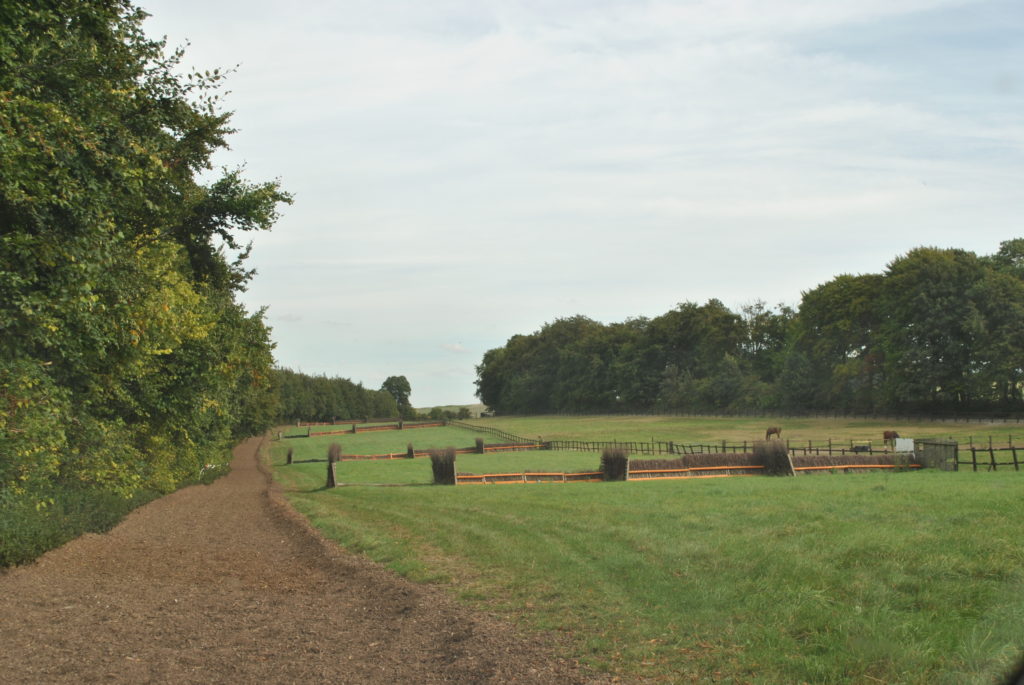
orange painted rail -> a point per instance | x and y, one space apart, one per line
525 477
698 468
857 466
717 475
505 448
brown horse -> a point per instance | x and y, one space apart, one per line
889 436
773 430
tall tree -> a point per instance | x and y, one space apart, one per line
398 387
120 335
932 327
837 333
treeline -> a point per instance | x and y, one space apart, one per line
939 331
319 398
127 365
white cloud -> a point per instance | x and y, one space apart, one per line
470 170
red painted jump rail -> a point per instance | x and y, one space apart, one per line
836 467
662 474
528 477
650 474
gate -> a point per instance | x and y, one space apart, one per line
938 454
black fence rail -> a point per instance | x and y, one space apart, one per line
986 457
508 437
652 448
657 447
416 454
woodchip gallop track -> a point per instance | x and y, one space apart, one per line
225 583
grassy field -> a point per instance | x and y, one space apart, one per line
732 429
909 577
386 442
417 471
342 426
474 409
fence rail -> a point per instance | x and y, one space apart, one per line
491 431
988 458
656 447
368 429
528 477
488 449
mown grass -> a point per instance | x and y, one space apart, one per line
342 426
385 442
417 471
911 578
708 429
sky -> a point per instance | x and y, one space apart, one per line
468 170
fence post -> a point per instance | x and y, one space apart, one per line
974 458
1016 465
332 478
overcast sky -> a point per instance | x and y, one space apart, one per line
465 170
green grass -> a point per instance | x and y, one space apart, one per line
342 426
386 442
737 429
312 475
912 578
474 409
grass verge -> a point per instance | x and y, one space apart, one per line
28 530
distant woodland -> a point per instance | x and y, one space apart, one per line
303 397
939 331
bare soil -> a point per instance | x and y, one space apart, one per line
226 583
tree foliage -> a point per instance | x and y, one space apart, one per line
938 330
319 398
398 387
126 362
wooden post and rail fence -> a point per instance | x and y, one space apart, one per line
934 453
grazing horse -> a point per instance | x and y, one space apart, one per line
889 436
773 430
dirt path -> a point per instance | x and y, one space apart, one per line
224 583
